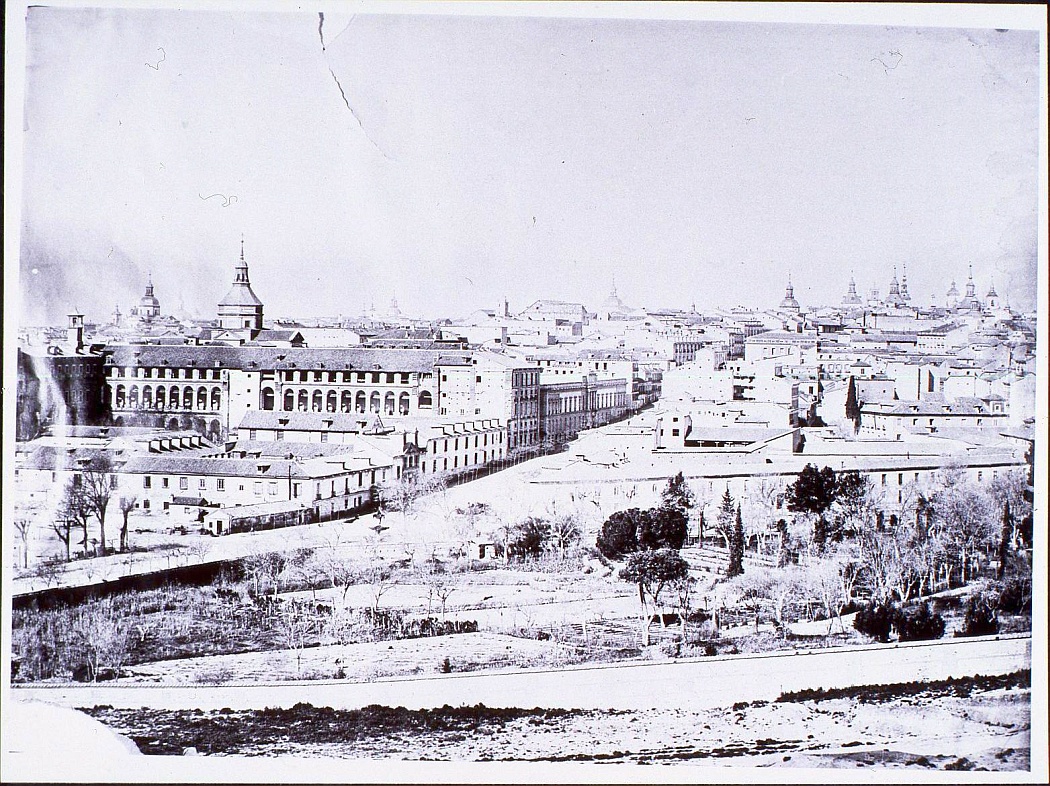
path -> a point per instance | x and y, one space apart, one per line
688 683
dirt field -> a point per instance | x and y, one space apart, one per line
358 662
967 724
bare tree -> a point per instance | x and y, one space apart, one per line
295 624
126 503
99 483
23 527
563 532
101 634
73 513
762 503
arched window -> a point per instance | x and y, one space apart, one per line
160 402
425 399
318 401
361 404
147 397
374 401
403 402
213 430
173 424
121 396
267 398
173 397
304 401
388 404
346 401
331 401
202 399
216 398
289 400
133 396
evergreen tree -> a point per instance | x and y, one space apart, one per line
813 492
677 494
1005 538
724 522
736 546
853 405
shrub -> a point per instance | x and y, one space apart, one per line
1015 595
981 619
876 620
920 624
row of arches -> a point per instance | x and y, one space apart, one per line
318 401
200 399
210 429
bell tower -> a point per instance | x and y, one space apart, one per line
241 309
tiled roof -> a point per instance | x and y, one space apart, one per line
262 358
312 421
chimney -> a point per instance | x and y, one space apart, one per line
75 332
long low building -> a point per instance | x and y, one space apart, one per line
332 485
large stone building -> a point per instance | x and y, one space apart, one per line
60 384
210 388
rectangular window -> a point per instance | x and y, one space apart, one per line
220 484
147 482
257 487
271 488
324 436
360 376
278 435
389 378
404 378
145 504
202 483
184 483
375 377
163 483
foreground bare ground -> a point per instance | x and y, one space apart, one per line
973 723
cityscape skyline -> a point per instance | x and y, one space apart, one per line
410 123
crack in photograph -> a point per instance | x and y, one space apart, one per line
524 392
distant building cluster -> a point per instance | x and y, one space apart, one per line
296 420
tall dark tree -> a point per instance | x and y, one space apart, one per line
619 533
814 492
677 494
724 522
1005 539
527 538
663 527
736 546
853 405
853 493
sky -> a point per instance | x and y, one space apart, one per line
453 160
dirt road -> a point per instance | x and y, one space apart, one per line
686 683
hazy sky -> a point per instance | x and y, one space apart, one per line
527 157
